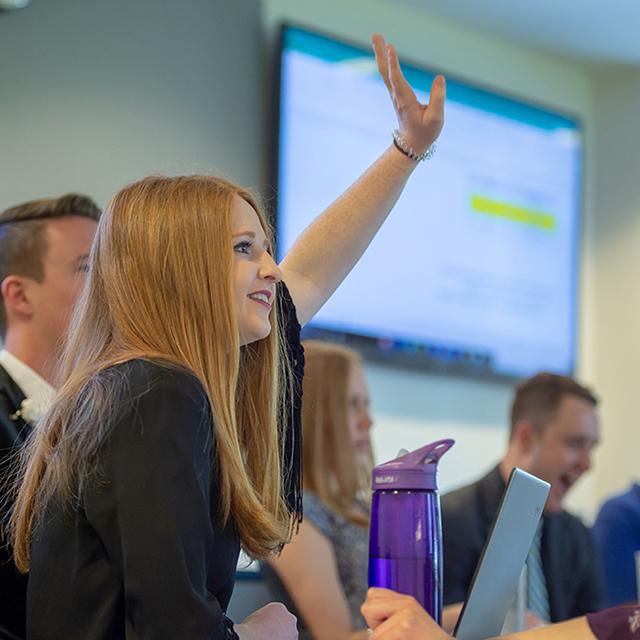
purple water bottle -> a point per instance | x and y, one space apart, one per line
405 537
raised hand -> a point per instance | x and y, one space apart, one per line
418 123
330 246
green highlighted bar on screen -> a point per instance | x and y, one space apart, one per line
512 212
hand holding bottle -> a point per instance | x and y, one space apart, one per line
394 616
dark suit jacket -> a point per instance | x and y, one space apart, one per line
143 553
13 585
568 551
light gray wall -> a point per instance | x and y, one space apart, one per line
96 94
615 246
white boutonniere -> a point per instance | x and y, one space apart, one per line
30 411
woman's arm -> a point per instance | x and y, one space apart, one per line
307 568
330 247
577 629
394 616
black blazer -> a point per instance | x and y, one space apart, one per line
13 585
12 428
143 553
568 550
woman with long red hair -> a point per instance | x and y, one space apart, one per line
174 438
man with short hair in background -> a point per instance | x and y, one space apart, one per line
44 252
554 428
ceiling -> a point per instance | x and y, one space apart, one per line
595 31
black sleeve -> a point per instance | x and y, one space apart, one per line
291 421
151 505
13 584
12 432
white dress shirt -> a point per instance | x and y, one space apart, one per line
34 386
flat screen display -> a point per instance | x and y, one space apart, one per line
475 270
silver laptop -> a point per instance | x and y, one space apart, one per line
503 557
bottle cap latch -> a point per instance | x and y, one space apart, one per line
416 470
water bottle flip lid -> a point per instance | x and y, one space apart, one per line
416 470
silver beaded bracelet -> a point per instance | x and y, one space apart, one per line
410 152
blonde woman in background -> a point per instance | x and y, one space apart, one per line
322 574
324 568
173 438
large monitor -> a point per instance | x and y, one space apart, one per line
475 270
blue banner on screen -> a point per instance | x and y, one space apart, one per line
475 271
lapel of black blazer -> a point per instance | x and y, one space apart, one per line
552 566
10 389
11 397
490 490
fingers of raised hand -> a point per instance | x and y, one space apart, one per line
380 51
437 97
402 92
420 124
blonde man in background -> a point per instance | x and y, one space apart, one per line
44 252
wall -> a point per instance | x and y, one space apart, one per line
616 255
96 94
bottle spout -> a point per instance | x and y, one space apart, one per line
415 470
429 454
434 451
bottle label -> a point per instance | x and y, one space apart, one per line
386 479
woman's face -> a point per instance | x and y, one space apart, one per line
254 274
360 422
